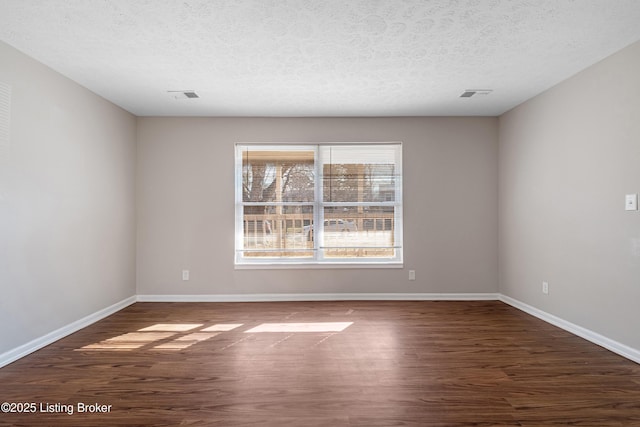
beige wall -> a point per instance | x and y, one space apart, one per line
67 219
567 159
185 204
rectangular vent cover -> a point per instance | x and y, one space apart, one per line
183 94
471 92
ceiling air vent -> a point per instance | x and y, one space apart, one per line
472 92
183 94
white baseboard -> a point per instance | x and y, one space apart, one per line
614 346
51 337
320 297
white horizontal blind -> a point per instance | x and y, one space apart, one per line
361 187
321 203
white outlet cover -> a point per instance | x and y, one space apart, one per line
631 202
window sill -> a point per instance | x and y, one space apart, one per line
321 266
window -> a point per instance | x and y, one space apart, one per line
284 191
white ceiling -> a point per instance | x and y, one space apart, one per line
318 57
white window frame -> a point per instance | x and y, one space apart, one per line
318 260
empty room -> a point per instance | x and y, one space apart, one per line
319 213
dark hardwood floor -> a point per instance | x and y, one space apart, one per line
323 364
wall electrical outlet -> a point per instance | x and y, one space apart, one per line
545 288
185 274
412 275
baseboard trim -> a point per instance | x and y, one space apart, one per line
320 297
28 348
611 345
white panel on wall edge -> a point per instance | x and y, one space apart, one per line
5 120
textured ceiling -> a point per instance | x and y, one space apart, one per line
319 58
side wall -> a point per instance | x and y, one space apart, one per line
186 205
566 160
67 202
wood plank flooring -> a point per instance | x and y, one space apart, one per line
388 363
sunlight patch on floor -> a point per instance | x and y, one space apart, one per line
301 327
172 327
186 341
129 341
179 336
222 327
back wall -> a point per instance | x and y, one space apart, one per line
185 205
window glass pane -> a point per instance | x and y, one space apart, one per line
277 176
359 231
278 231
358 174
